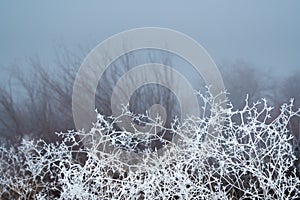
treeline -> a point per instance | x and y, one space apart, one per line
38 103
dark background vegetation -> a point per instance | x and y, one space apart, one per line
37 103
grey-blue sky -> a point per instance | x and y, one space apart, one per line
264 33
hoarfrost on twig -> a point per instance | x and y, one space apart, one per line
251 156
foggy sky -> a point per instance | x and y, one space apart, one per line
263 33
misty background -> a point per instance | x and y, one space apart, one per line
255 44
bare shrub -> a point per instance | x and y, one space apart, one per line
252 159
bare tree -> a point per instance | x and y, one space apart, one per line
44 104
242 80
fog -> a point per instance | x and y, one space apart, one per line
255 44
265 34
